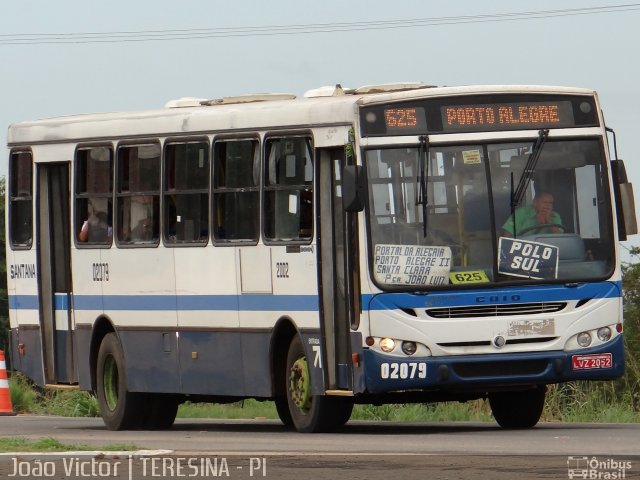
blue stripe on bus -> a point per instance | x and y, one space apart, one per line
305 303
310 303
23 302
30 302
62 301
497 296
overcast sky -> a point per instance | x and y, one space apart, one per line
598 51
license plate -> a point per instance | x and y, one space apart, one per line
588 362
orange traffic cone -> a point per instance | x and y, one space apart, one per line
5 396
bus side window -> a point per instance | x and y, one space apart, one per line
21 200
236 190
138 194
93 196
288 190
186 192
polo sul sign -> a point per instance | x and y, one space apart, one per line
521 258
411 265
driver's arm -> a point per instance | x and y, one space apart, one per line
556 220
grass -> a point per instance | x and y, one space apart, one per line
477 411
606 402
246 409
52 445
599 402
572 402
26 398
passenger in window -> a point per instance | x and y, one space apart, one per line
143 231
136 221
96 228
536 218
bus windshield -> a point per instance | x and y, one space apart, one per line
476 234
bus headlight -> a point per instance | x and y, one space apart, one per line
409 348
584 339
604 334
387 344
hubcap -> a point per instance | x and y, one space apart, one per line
299 385
110 382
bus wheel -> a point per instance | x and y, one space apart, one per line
120 409
161 411
311 413
282 407
519 409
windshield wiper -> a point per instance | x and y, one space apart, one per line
527 174
423 178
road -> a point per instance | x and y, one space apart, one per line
360 450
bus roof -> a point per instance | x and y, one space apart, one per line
254 112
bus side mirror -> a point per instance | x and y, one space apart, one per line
625 203
354 188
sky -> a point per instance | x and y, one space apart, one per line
47 79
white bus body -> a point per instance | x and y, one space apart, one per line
276 248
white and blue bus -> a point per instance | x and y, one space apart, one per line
385 244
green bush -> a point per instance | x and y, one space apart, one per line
24 396
72 403
28 398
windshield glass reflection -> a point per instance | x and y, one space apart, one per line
475 233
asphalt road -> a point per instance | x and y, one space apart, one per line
265 449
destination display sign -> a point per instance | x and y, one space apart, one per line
501 116
398 120
521 258
411 265
479 113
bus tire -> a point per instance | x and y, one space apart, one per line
282 407
311 413
518 409
119 408
161 411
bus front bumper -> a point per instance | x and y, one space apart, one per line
387 373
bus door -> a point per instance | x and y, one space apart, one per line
54 266
336 234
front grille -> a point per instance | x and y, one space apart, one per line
496 310
502 368
485 343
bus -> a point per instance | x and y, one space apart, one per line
352 246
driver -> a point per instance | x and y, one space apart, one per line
539 213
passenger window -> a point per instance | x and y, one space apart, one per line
93 196
186 193
236 190
288 189
138 194
21 200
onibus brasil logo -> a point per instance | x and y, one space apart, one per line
597 468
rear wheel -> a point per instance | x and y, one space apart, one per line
161 411
120 408
519 409
311 413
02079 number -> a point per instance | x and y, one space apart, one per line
403 371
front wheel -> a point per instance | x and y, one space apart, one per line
120 408
518 409
282 407
311 413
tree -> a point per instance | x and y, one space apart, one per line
631 299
